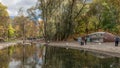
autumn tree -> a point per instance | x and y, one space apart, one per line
19 23
65 18
3 20
33 15
31 29
59 17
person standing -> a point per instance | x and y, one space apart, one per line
82 41
116 41
85 40
79 40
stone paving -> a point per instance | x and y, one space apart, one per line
104 48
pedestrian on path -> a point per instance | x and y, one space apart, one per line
82 41
116 41
85 40
79 39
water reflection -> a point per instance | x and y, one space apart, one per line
39 56
68 58
14 64
22 56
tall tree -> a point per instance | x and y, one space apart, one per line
3 20
59 17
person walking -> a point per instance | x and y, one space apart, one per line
116 41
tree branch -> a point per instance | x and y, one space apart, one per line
80 10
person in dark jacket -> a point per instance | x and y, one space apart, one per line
82 41
116 41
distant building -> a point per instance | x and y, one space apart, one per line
101 37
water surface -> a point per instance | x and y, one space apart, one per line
40 56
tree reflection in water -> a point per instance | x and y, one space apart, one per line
27 56
70 58
39 56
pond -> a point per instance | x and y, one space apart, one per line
40 56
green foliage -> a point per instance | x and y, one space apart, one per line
11 50
109 18
11 31
102 15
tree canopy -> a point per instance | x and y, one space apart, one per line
65 19
4 16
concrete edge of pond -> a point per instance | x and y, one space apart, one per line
7 44
108 51
102 49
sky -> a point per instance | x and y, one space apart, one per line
15 5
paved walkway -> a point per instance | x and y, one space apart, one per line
104 48
7 44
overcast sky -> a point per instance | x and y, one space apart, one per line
14 5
